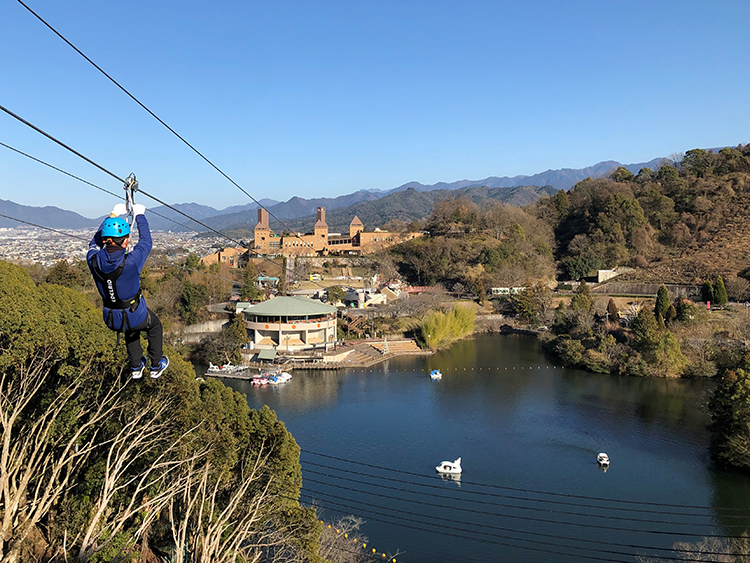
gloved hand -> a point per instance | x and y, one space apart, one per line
138 209
118 209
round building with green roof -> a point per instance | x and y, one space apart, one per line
287 324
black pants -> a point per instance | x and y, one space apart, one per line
152 327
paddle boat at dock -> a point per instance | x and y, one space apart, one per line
436 375
224 369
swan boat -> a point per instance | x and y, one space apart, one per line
224 369
449 467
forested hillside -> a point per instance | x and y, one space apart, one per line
469 248
682 223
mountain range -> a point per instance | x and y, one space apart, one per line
374 207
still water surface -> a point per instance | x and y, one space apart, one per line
518 422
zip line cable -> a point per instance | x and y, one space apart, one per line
53 139
90 184
161 260
532 491
115 176
446 531
497 495
223 235
42 227
512 530
137 101
601 526
535 509
453 523
452 527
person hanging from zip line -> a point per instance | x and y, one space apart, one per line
117 274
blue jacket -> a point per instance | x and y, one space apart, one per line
128 285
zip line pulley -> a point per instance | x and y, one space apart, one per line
130 187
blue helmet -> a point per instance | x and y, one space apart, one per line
115 227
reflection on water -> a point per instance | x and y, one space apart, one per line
517 420
453 477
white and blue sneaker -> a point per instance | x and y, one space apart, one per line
159 368
137 372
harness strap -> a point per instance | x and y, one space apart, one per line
109 294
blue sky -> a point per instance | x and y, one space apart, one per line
322 98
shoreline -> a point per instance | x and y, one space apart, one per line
362 354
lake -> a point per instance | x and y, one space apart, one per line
528 433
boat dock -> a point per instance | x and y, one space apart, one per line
356 354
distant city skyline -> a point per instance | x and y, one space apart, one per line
324 99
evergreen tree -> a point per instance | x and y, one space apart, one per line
582 300
614 312
561 322
282 278
249 288
662 302
720 292
533 301
685 310
730 414
707 292
334 294
193 298
646 333
66 275
193 262
671 315
669 358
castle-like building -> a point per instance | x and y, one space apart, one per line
320 242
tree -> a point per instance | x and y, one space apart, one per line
440 329
533 302
720 292
249 289
671 315
582 300
662 302
707 292
581 265
66 275
622 174
282 277
335 294
730 415
193 298
669 360
697 162
737 289
645 174
646 332
192 262
685 310
612 310
224 346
